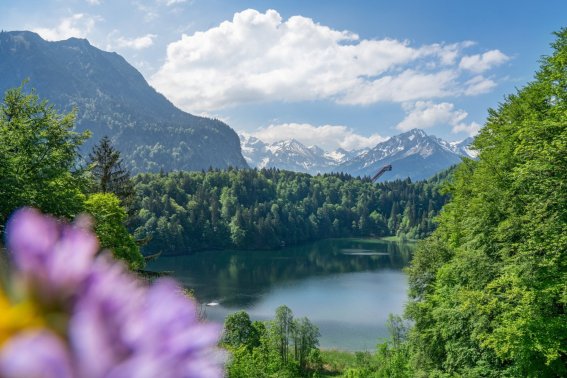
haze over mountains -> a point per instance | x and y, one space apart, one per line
112 98
412 154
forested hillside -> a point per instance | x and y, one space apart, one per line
256 209
488 290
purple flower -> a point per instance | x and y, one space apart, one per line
139 331
117 326
35 354
52 257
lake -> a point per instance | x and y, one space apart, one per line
347 287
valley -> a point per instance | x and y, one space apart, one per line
202 200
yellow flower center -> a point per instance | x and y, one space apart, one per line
16 317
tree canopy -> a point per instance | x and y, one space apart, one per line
38 157
265 209
39 167
488 289
282 347
110 217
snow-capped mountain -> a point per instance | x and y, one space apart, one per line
412 154
290 154
463 148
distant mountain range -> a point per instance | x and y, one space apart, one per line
292 155
112 98
412 154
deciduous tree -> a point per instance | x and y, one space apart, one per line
38 157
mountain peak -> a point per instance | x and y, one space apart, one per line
113 98
415 132
77 41
413 154
21 33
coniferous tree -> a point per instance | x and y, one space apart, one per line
109 174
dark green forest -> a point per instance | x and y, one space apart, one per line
182 212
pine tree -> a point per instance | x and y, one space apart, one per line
108 172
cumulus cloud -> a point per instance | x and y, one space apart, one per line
78 25
328 137
469 128
482 62
478 85
259 57
406 86
426 114
131 43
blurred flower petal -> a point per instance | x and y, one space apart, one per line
116 325
35 354
53 257
31 238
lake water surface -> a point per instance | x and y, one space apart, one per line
347 287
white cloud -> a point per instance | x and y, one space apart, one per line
78 25
471 129
406 86
149 11
482 62
172 2
328 137
94 2
259 57
131 43
478 85
426 114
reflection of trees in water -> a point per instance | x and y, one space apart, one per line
240 277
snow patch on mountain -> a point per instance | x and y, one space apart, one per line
412 154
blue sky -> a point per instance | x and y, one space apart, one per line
333 73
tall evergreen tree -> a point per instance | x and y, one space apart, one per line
110 176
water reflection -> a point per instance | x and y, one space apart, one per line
238 279
346 287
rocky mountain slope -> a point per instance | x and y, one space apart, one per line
112 98
412 154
